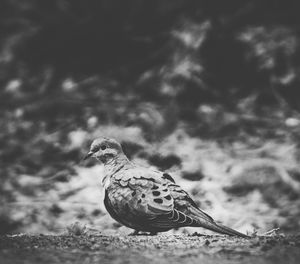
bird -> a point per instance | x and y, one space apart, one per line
144 199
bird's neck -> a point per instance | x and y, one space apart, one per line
112 166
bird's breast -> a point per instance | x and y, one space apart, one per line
106 181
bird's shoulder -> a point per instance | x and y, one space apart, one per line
154 182
142 175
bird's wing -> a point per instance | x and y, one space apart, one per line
153 195
145 192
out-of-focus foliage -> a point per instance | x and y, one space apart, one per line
165 77
195 50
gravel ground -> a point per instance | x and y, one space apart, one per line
148 249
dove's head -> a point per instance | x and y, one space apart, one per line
105 150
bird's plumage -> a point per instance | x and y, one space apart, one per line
145 199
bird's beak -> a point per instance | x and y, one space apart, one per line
88 155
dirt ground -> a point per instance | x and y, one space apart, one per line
148 249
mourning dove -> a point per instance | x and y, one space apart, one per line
144 199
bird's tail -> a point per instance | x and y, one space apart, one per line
221 229
209 223
229 231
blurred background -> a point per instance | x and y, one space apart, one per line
206 90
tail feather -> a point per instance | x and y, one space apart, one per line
229 231
221 229
213 226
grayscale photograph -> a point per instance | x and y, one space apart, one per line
149 131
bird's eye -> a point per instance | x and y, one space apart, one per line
103 147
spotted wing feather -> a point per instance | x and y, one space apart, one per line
145 192
152 195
